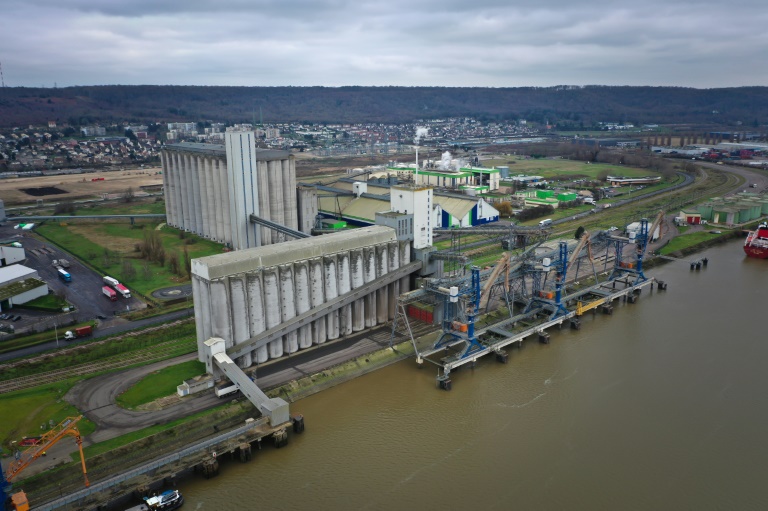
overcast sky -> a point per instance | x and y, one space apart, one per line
466 43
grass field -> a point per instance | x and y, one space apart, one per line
33 412
159 384
687 240
88 242
549 168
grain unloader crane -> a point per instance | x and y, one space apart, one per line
23 459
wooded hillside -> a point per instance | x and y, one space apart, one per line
578 107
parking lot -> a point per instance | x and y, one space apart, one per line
84 290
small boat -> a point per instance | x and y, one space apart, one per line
169 499
756 244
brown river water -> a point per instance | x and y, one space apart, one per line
660 406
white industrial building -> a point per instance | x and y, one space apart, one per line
212 190
20 284
11 255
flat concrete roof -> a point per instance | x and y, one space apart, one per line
15 271
251 259
220 150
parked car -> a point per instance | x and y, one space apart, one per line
16 318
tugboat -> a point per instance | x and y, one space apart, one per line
756 244
169 499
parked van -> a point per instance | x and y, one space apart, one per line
589 200
545 222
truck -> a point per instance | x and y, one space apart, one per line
226 390
124 291
109 293
83 331
61 262
110 281
64 275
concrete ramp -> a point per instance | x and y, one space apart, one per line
217 362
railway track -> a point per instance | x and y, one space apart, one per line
158 352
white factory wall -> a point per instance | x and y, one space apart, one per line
11 255
417 201
240 294
28 296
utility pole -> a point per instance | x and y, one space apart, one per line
2 80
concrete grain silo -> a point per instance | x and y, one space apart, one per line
212 190
241 295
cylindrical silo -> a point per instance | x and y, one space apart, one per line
358 306
317 296
209 205
289 194
222 325
301 278
185 190
224 197
257 313
181 199
369 275
194 176
264 204
345 284
201 304
167 187
276 208
240 325
200 177
216 201
393 251
405 258
331 292
382 294
272 308
288 306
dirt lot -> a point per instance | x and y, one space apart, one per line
77 186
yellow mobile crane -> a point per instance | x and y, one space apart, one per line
66 427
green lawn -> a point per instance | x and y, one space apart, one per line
48 302
549 168
89 241
29 412
159 384
687 240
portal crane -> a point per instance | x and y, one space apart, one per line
641 243
22 460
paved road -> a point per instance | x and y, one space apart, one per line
106 328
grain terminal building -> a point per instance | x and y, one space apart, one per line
212 190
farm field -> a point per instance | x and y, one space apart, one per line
549 168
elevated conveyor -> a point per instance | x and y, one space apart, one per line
276 409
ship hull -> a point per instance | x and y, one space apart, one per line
756 252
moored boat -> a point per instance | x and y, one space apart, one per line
756 244
169 499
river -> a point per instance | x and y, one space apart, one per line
659 406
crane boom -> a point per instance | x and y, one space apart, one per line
66 427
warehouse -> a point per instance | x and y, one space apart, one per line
19 284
